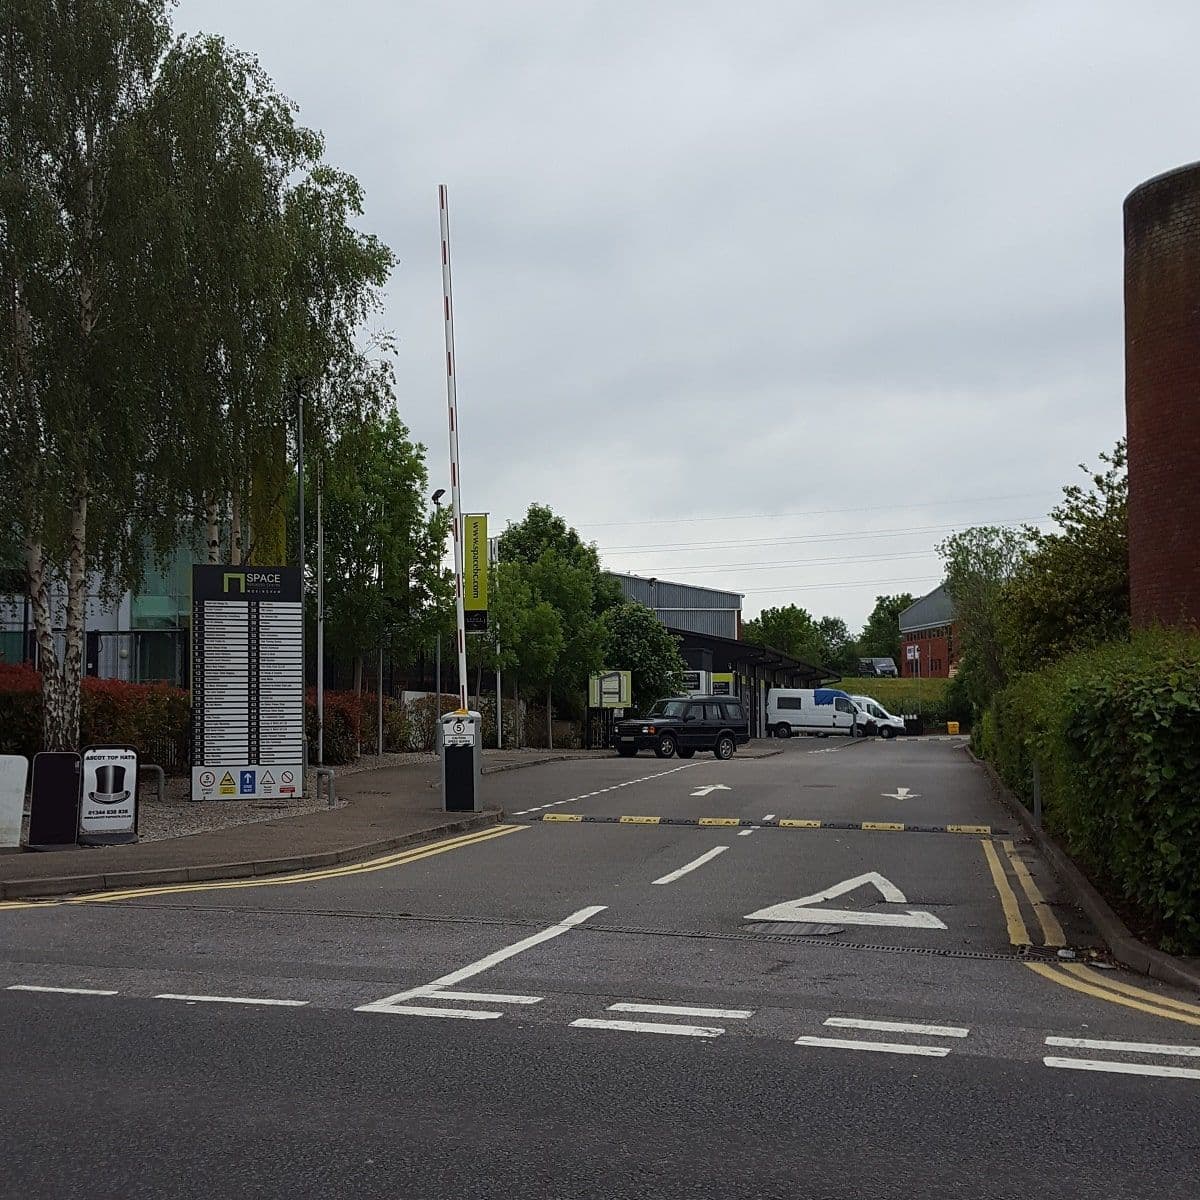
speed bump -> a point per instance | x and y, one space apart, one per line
781 823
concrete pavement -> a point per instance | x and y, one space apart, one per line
553 1009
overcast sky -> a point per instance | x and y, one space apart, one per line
841 274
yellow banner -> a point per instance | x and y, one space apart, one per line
475 563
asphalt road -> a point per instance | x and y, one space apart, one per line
598 1007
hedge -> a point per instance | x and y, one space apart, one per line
1115 734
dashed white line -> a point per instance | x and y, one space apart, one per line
745 832
878 1047
676 1010
418 1010
769 817
488 997
955 1031
66 991
703 1031
1121 1068
231 1000
1124 1047
708 856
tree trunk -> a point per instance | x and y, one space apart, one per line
72 667
212 535
235 525
358 687
549 719
39 598
517 701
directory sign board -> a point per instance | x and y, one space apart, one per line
247 683
610 689
108 803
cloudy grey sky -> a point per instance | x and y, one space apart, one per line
841 274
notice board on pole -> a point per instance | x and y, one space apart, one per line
247 683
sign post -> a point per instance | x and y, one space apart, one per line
475 596
247 683
108 805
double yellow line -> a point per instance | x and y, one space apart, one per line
1076 976
387 861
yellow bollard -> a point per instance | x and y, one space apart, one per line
951 726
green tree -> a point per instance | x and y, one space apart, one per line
384 581
980 563
880 637
838 649
1072 591
790 629
635 640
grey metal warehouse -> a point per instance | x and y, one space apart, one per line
708 624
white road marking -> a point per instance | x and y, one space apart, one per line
417 1010
802 910
676 1010
485 963
711 787
231 1000
67 991
901 794
1121 1068
708 856
490 997
879 1047
769 817
898 1027
648 1027
1126 1047
745 832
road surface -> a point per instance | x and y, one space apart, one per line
828 998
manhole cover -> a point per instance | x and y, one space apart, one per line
794 928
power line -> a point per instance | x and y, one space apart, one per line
805 587
765 565
812 512
674 547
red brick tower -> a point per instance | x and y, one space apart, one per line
1162 396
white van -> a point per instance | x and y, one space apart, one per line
822 711
877 718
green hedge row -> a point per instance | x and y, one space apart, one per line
1115 734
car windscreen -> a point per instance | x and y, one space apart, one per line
668 708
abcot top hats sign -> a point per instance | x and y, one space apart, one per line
247 682
108 804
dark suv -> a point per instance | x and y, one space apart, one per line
685 724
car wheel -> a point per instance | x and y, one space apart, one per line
665 747
686 753
627 751
783 731
887 732
725 746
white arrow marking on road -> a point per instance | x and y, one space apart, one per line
712 787
801 910
901 794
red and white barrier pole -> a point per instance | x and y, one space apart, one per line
455 471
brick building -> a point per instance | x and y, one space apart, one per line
930 625
1162 396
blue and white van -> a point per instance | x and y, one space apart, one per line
822 711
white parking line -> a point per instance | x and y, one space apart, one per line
1121 1068
1125 1047
956 1031
878 1047
676 1010
486 963
648 1027
67 991
708 856
230 1000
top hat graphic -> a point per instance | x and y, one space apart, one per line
110 785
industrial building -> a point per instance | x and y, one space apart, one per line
708 623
